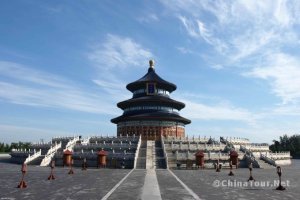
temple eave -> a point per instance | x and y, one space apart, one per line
153 100
154 118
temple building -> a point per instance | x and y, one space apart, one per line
150 135
151 112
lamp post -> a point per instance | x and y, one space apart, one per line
22 183
84 164
230 173
218 167
250 169
279 172
52 165
71 167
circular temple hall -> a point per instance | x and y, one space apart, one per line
151 112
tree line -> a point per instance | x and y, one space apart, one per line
287 143
6 148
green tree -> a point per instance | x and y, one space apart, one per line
287 143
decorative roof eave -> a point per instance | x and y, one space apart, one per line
176 118
151 77
146 100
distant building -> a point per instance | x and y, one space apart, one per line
151 112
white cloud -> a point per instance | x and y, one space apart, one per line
114 87
191 28
184 50
283 72
221 111
20 72
23 85
197 29
119 52
152 17
255 36
12 133
116 53
36 88
239 29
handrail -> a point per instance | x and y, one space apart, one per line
137 152
86 141
249 155
50 154
164 150
71 143
32 157
268 160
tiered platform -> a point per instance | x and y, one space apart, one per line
168 152
120 151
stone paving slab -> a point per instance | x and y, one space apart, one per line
170 188
90 184
131 188
96 183
204 183
151 188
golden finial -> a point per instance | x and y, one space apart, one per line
151 63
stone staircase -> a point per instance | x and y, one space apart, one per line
263 164
256 161
36 161
141 160
150 155
32 158
160 160
50 154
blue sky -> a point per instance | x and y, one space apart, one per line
65 64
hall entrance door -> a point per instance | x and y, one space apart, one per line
151 134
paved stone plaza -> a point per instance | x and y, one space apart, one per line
143 184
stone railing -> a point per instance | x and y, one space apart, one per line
218 156
50 154
107 145
195 147
70 145
127 137
257 147
109 154
114 141
268 160
137 152
277 155
186 139
32 157
235 141
62 137
86 141
165 153
41 144
23 151
207 156
250 157
64 140
97 147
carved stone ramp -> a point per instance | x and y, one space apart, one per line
151 188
